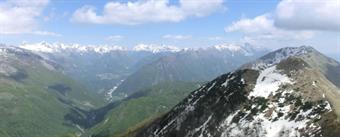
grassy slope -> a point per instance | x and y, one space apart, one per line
329 67
28 108
154 102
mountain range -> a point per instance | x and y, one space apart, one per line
116 72
189 66
122 76
76 83
74 90
288 92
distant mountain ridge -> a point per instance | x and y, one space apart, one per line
188 66
102 49
106 69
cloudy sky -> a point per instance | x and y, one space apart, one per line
182 23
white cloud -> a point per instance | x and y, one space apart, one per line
20 16
115 37
259 24
146 11
262 31
308 15
176 37
292 23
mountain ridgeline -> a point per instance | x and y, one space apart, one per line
186 66
289 92
163 91
189 66
35 96
154 78
115 72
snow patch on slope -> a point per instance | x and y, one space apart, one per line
202 128
279 55
280 117
276 120
268 82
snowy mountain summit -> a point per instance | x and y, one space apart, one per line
234 49
155 49
281 54
286 93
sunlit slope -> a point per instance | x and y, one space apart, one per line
35 96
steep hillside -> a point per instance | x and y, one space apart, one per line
113 69
100 68
35 96
146 104
281 94
329 67
189 65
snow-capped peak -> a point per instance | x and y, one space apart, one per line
106 49
236 48
39 47
61 47
44 47
279 55
8 49
230 47
155 48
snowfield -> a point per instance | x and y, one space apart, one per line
268 82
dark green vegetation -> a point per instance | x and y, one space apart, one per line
35 96
141 106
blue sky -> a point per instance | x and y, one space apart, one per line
185 23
